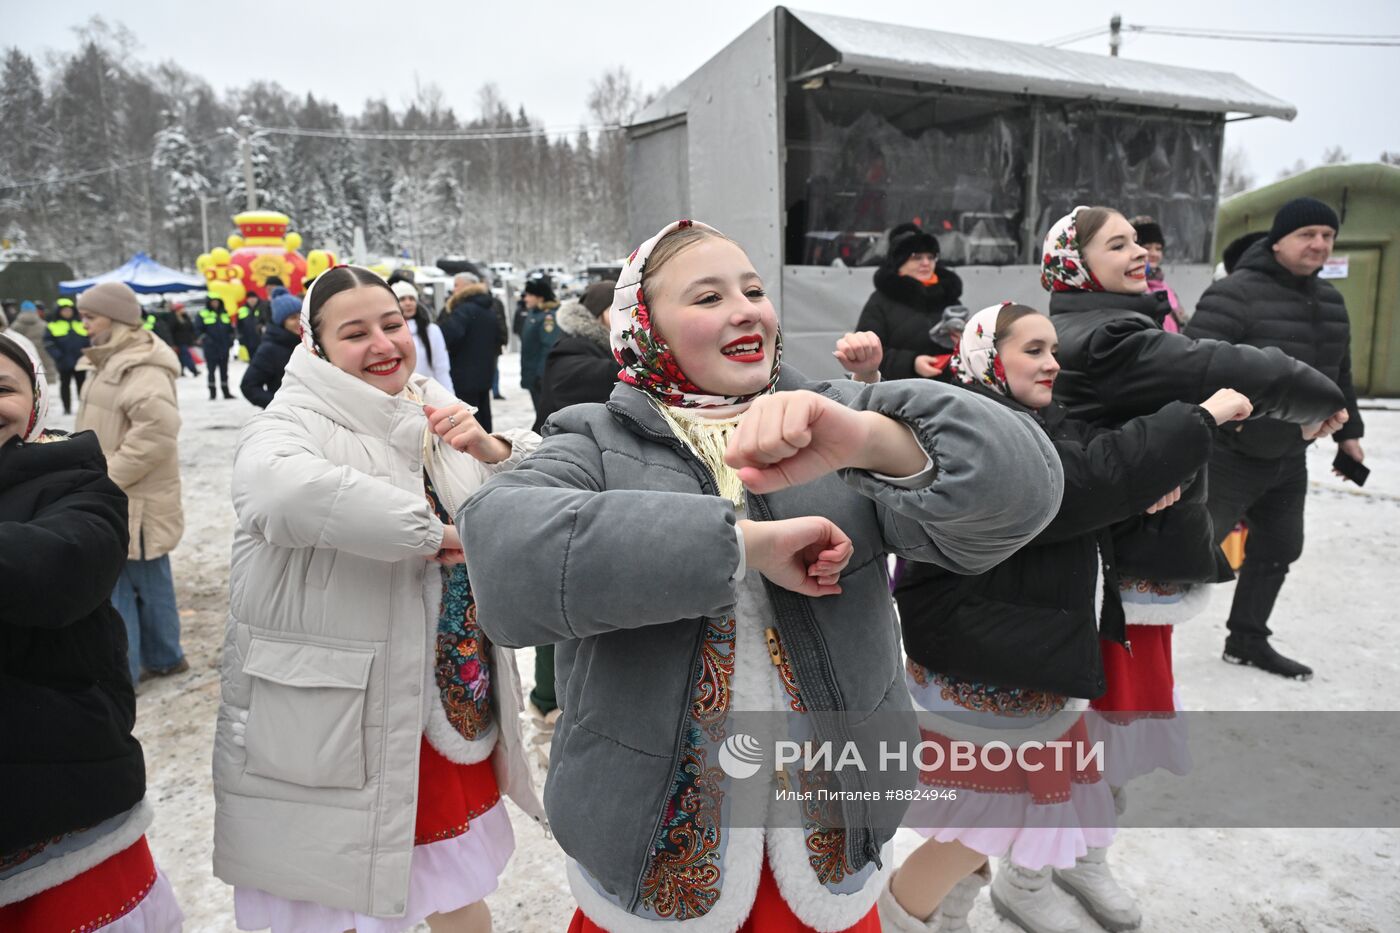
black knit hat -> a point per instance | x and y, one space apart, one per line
598 297
1149 231
1302 212
905 241
540 288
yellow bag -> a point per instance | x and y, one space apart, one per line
1233 546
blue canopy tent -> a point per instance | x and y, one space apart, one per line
143 274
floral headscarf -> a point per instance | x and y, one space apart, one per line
646 360
977 360
1062 267
39 413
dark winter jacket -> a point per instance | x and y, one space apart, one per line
901 311
468 325
67 757
580 367
159 324
215 329
1262 304
538 334
263 376
1029 622
65 341
182 330
502 325
1118 364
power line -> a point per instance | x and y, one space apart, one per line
1287 39
1357 40
76 176
436 135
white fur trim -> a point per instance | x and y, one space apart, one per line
67 867
1195 602
813 904
446 740
743 864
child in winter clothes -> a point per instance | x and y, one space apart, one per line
1119 363
73 852
263 377
1012 654
367 728
1150 237
713 540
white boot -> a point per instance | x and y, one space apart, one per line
950 917
1102 896
1029 900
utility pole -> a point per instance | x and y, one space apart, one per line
1115 34
204 220
246 144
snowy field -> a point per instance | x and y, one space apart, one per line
1332 615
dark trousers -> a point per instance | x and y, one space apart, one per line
186 361
481 401
70 380
217 361
1269 495
536 394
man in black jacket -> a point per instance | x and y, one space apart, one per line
580 368
468 324
1258 471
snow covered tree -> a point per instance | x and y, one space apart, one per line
179 168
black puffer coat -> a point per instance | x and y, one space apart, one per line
1118 364
901 311
1262 304
469 329
263 377
1029 622
67 707
580 366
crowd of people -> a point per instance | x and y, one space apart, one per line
692 530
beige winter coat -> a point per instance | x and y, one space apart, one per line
326 660
129 401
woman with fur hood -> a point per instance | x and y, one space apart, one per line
911 290
367 729
580 366
73 852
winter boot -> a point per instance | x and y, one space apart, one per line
951 915
1029 900
1257 652
227 393
213 392
1100 893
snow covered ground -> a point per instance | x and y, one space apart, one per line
1334 614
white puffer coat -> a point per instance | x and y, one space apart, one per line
332 602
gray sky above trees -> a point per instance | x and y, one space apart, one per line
545 55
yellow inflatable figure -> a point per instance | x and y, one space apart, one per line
317 261
224 278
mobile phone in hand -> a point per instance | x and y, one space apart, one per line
1351 468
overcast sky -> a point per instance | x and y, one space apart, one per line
544 55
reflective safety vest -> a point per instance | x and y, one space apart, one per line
150 322
62 328
208 317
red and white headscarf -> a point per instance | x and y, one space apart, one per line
1062 267
646 360
39 413
977 360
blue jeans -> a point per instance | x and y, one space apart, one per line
145 597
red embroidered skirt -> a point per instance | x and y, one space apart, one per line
770 914
450 795
1140 682
101 895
